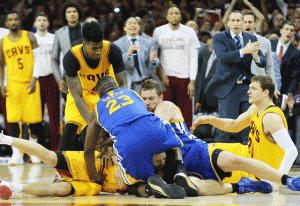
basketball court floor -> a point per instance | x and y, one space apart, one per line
28 173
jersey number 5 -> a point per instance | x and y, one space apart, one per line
114 105
20 63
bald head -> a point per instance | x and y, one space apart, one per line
174 16
193 25
106 84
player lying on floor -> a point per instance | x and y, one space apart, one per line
76 181
205 160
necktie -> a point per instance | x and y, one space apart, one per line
135 59
280 55
238 41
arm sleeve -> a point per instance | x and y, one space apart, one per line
285 142
116 59
71 64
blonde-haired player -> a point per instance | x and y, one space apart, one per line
19 51
269 140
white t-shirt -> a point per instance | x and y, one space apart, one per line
45 43
179 50
3 32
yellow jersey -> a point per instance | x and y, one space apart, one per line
259 145
89 76
18 58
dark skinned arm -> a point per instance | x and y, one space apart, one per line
34 45
92 137
75 87
2 62
121 79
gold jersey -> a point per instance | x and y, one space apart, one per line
89 76
18 58
259 145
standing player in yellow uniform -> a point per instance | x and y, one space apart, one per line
18 50
84 64
269 140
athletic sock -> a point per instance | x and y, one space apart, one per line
180 167
235 187
284 178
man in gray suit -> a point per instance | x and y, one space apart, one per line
271 69
71 14
139 57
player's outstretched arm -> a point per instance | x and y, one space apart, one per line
92 137
75 87
228 125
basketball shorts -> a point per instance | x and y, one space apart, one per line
201 160
22 106
237 149
77 175
72 114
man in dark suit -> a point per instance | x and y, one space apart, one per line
207 63
289 58
235 50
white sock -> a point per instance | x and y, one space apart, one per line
33 140
8 140
15 151
18 187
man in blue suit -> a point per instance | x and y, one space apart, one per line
235 50
139 57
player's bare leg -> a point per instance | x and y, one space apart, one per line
31 148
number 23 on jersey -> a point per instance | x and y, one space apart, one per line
118 103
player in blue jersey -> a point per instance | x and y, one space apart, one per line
204 161
137 135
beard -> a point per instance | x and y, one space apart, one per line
14 30
175 24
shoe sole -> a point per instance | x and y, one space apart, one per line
165 190
183 181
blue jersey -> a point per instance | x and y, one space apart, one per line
118 108
186 137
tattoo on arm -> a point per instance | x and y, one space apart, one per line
33 40
121 79
76 90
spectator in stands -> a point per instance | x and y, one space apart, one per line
179 51
139 57
71 14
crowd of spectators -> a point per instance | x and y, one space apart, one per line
112 14
211 16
